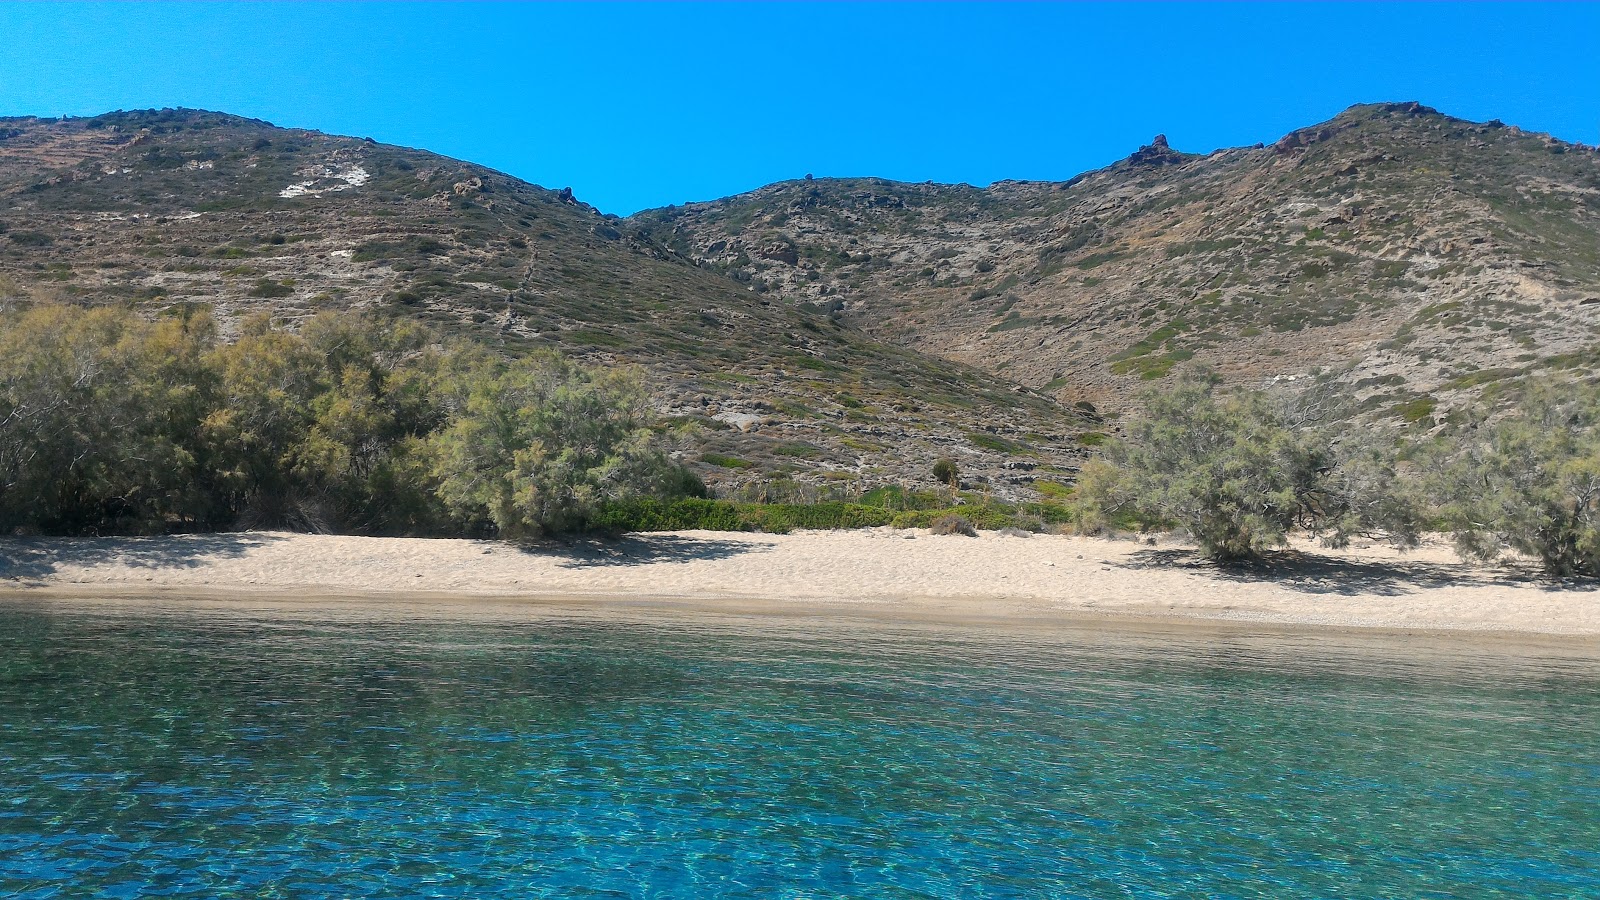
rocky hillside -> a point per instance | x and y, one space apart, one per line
170 208
1429 260
850 331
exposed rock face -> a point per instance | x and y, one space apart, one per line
1156 153
783 253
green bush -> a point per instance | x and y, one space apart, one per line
893 496
330 427
411 247
987 516
31 239
111 424
950 523
647 514
1529 482
269 288
98 413
727 462
1240 471
540 446
996 443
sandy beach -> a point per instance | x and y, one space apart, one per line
880 573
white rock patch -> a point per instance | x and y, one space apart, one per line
325 180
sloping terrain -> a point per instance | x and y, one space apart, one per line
175 207
850 331
1428 260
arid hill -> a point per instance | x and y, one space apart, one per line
851 331
176 207
1424 258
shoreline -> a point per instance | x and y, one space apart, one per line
1121 628
881 575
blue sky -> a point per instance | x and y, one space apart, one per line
645 105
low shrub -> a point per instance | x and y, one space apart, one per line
1241 470
1529 482
31 239
724 461
894 496
648 514
266 287
953 524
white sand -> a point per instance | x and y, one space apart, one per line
877 572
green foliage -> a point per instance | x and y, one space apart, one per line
1098 503
1052 490
650 514
1415 410
415 246
797 450
724 461
330 428
540 446
1145 358
987 516
893 496
951 523
266 287
1095 259
946 472
1530 482
997 443
110 423
31 239
1240 471
97 410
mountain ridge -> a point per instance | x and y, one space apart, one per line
1164 257
849 331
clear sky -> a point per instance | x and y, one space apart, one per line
636 106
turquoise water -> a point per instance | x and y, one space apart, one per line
160 753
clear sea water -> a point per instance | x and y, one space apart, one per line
149 752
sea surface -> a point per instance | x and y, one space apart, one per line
154 751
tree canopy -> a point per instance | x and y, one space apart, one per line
1529 482
1239 471
113 424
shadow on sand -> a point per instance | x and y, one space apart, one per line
31 559
633 550
1310 573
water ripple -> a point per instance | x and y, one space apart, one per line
153 754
